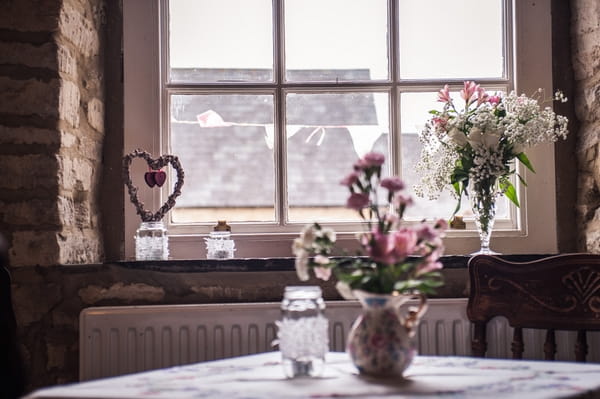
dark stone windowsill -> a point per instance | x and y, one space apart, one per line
272 264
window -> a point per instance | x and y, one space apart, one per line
268 102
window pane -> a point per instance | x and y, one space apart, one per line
330 40
221 40
414 112
225 146
451 39
326 134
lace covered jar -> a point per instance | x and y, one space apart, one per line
219 244
303 332
151 241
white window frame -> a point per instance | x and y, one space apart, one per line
530 65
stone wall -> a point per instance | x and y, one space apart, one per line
51 130
586 66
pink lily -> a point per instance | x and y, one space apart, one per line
444 95
468 92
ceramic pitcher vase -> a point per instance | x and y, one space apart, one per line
380 341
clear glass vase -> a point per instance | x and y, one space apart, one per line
482 197
303 332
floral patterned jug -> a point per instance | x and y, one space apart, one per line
380 341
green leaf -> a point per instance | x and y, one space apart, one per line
510 191
521 180
434 112
525 161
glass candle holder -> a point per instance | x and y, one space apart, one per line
303 332
151 241
219 245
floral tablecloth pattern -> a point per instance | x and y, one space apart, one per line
261 376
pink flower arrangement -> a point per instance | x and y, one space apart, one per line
395 258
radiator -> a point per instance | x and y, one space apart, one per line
126 339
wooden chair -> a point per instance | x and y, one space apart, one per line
554 293
12 376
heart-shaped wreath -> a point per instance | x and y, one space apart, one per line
154 177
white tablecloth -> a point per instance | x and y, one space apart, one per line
261 376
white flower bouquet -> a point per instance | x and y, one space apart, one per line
480 142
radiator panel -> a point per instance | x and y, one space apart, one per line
126 339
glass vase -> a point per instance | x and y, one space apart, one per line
482 198
303 332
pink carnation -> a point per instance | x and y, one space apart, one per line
393 184
357 201
350 179
373 159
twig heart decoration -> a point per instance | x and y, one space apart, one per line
156 178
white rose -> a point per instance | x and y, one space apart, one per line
478 137
475 137
457 136
491 139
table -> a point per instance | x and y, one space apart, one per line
261 376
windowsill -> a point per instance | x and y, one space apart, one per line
273 264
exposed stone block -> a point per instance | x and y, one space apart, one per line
29 172
79 30
33 213
29 15
74 174
67 140
68 106
67 64
79 246
43 56
95 114
129 293
592 234
90 148
29 135
586 16
66 211
585 56
29 97
589 135
34 248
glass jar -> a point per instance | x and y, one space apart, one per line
303 332
219 244
151 241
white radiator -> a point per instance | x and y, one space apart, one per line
127 339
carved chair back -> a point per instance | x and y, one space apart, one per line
554 293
